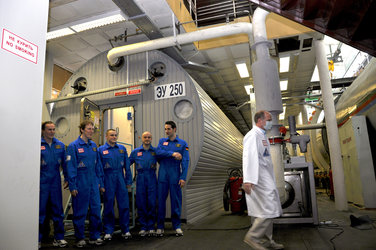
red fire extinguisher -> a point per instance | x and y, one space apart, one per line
233 194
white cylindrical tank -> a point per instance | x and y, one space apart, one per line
215 144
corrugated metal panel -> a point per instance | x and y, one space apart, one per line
215 144
221 150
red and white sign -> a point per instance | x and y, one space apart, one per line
131 91
19 46
121 93
134 91
139 154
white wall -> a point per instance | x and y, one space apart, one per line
21 88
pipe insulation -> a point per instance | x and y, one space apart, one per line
226 30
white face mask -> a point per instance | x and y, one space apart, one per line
268 125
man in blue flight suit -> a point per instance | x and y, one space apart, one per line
115 162
145 158
85 177
51 159
171 177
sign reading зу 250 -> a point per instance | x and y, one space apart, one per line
169 90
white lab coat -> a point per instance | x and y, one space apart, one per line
263 202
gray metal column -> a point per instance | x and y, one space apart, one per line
331 126
308 155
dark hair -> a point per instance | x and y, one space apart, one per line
259 115
45 123
110 129
84 124
171 123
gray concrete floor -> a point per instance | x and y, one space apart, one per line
223 230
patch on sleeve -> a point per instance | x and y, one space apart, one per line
178 145
165 143
95 149
121 151
105 152
42 148
139 153
58 146
81 150
68 158
186 148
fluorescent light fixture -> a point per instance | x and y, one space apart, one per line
282 115
248 89
59 33
242 69
86 24
283 84
284 64
98 22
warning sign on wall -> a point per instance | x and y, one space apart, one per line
19 46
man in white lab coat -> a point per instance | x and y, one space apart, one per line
259 184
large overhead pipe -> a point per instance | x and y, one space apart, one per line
225 30
267 91
331 126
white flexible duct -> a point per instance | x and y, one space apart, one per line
267 91
220 31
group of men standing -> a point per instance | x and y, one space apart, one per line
89 171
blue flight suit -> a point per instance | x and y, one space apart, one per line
51 158
114 162
169 175
146 184
85 174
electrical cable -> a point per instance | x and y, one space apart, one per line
335 227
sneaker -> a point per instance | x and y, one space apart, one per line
151 233
97 242
81 243
274 245
252 243
127 235
179 232
107 237
142 233
60 243
159 232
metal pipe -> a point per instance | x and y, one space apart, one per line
331 126
99 91
308 126
215 32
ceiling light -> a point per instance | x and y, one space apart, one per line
59 33
283 84
284 64
97 22
242 69
86 24
282 115
248 89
